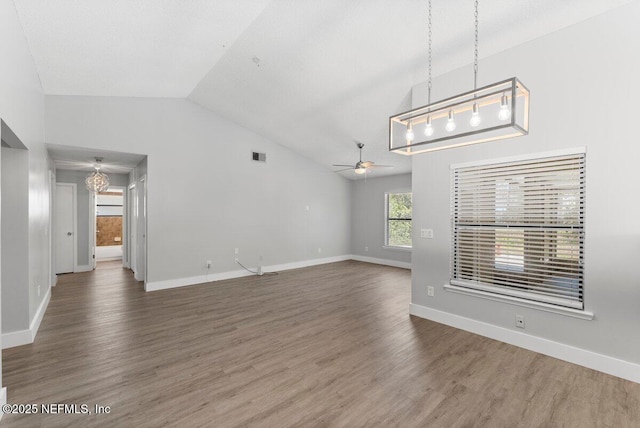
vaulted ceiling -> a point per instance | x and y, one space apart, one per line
311 75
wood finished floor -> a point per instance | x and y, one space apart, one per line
326 346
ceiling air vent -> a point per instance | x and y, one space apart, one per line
259 157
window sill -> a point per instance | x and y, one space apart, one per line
396 248
575 313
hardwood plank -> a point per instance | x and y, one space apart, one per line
329 345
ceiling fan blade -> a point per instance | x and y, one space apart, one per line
346 169
350 166
367 164
381 166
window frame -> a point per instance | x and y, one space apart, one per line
523 298
387 219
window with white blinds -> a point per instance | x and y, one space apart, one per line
518 228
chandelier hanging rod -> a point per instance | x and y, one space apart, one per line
492 112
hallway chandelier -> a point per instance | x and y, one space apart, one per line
490 113
97 181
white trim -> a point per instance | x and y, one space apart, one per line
16 338
547 307
83 268
603 363
386 221
91 244
306 263
37 318
517 158
398 248
143 182
25 337
3 399
201 279
133 224
394 263
52 191
193 280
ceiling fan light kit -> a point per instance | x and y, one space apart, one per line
361 167
490 113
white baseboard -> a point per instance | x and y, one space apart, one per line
83 268
138 276
582 357
200 279
305 263
192 280
107 259
385 262
24 337
37 318
3 399
16 338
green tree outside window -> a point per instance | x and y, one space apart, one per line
399 219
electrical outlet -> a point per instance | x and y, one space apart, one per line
366 249
237 251
520 321
430 291
38 291
319 250
208 264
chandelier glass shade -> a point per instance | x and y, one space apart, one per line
97 181
490 113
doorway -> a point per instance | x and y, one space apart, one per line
109 226
98 239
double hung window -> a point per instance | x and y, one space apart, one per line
518 228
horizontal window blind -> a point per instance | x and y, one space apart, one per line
518 228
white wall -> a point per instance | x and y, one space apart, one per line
368 217
205 194
15 239
584 92
22 108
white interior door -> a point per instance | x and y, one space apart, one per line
141 232
133 222
64 217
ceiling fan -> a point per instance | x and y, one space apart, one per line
360 166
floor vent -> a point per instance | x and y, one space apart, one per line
259 157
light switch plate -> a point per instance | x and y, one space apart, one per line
426 233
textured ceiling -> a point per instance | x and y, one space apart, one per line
311 75
137 48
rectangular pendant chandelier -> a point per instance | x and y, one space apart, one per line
490 113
